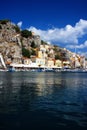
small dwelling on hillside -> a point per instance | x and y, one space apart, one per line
58 63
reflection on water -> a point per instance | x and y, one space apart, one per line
43 100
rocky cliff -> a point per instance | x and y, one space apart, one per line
12 42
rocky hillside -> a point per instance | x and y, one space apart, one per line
16 44
13 41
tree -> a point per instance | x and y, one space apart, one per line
57 56
33 45
25 33
33 52
5 21
56 48
43 42
17 29
25 52
0 27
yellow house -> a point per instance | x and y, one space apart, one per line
58 63
39 54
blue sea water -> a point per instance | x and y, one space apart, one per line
43 100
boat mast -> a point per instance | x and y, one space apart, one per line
75 56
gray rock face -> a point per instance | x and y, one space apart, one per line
37 40
11 43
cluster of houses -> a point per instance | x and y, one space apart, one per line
43 61
45 58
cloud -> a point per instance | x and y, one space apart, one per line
80 49
19 24
81 46
66 35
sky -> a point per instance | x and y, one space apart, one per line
59 22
